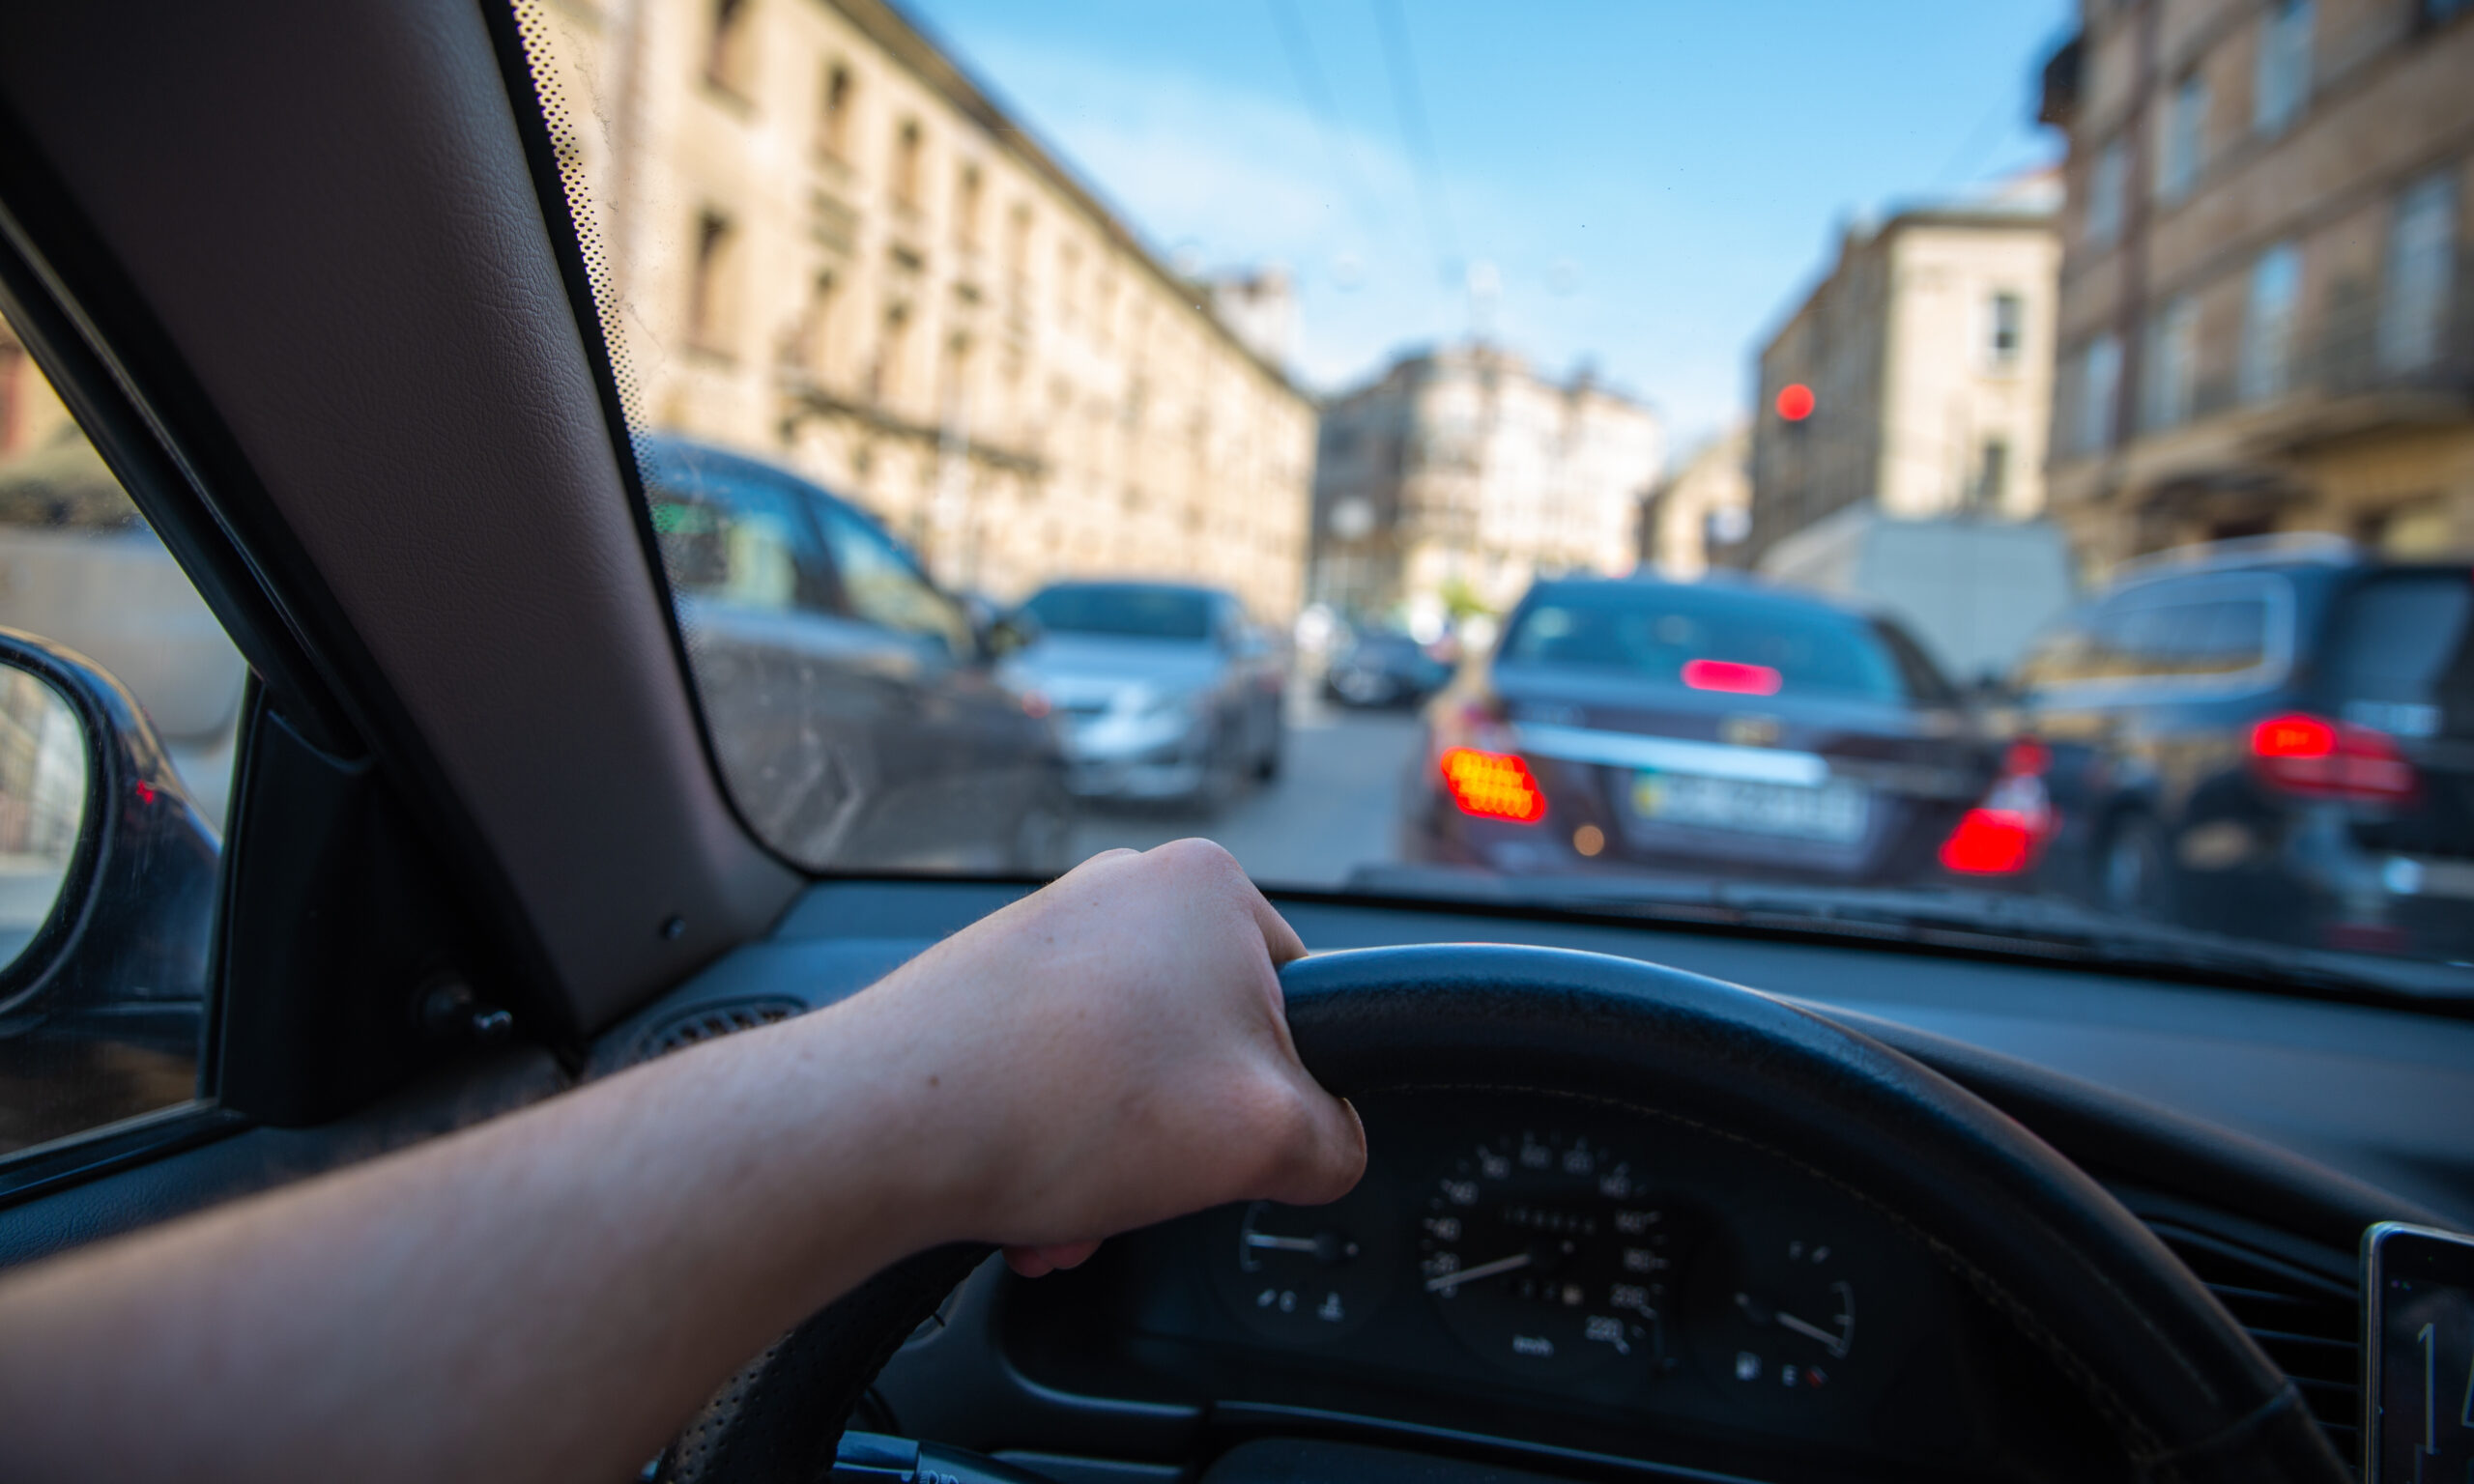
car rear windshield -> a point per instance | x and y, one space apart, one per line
1659 634
1142 612
2401 655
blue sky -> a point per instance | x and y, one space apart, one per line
1654 184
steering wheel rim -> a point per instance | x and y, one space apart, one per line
2187 1394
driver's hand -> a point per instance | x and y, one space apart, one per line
1112 1052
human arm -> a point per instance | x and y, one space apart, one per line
550 1293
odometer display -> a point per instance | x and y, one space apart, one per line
1545 1254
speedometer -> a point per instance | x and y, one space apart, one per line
1546 1255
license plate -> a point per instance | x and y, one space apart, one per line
1833 812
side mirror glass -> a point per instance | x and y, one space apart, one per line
44 798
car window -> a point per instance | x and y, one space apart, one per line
81 570
1128 612
2151 636
1660 634
2402 654
744 544
880 585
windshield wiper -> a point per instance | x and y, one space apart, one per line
1986 921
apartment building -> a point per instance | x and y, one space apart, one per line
2264 321
1457 475
820 241
1913 381
1695 518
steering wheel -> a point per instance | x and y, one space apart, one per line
2187 1395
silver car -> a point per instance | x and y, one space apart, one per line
1163 692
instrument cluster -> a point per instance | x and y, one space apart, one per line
1556 1254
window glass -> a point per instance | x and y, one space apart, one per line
2422 235
105 1039
1124 610
742 544
2185 140
2172 364
1657 631
2403 650
2107 185
880 585
2267 330
2281 80
2100 377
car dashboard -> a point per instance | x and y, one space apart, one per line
1563 1289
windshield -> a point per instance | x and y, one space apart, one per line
2003 466
1136 612
1702 638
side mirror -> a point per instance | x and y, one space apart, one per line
1007 633
108 874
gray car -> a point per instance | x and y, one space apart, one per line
1163 692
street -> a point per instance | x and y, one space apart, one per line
1331 810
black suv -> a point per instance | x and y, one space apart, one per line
2268 738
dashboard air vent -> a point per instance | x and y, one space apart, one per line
711 1022
2309 1323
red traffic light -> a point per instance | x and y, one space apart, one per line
1796 402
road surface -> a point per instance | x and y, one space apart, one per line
1332 810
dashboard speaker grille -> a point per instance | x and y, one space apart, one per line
2309 1323
711 1022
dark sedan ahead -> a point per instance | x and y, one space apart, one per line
1713 727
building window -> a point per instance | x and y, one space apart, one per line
2422 259
2173 351
833 117
1992 476
2267 327
2185 143
906 164
729 50
2008 330
713 285
2107 185
1069 269
884 378
2282 82
967 195
817 328
2099 385
1018 244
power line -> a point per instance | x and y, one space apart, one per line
1319 99
1392 23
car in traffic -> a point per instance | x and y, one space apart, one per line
1682 727
1383 667
1163 692
2268 737
853 704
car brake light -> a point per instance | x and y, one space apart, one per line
2004 835
1728 675
1493 786
2317 758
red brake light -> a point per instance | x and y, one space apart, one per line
2317 758
1729 676
1991 843
1493 786
2004 835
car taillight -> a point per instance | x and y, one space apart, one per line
1736 679
2004 835
1493 786
2317 758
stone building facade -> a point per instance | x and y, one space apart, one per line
1458 475
1928 351
2267 321
827 246
1696 518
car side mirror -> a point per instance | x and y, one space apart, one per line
108 871
1007 634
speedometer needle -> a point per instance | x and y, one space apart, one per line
1834 1344
1442 1281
